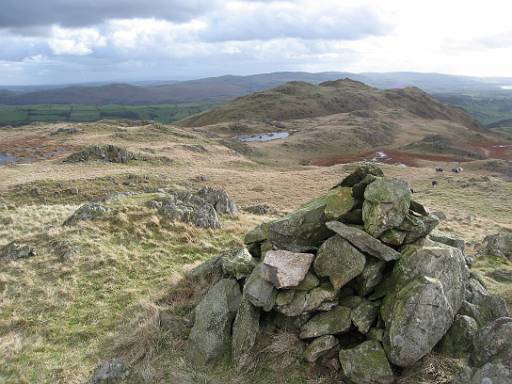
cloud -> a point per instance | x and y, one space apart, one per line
78 42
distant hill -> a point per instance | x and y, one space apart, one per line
299 100
228 87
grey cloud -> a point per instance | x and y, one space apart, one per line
27 14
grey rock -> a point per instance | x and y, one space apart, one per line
259 291
359 174
339 260
457 342
238 262
493 341
495 372
327 323
246 329
109 372
359 188
416 319
376 334
257 235
372 275
481 305
363 241
394 237
366 364
87 212
304 229
448 239
319 347
15 250
286 269
418 208
108 153
189 208
310 282
364 315
210 337
259 209
219 199
385 206
417 227
300 302
499 244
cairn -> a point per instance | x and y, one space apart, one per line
357 273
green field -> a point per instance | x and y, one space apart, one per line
164 113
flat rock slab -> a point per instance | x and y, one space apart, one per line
286 269
333 322
319 347
363 241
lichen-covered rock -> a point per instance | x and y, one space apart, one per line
359 174
238 262
363 241
364 315
245 331
386 204
499 244
310 282
366 364
15 250
304 229
189 208
459 338
109 372
219 199
416 319
394 237
286 269
87 212
295 302
339 260
257 235
493 341
259 209
108 153
376 334
259 291
359 188
333 322
417 227
481 305
210 337
319 347
495 372
372 275
447 238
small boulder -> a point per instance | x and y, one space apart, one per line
210 337
109 372
363 241
447 238
259 209
359 174
295 302
108 153
493 341
189 208
339 260
286 269
499 244
259 291
15 250
417 227
386 204
372 275
238 262
333 322
319 347
364 315
87 212
481 305
366 364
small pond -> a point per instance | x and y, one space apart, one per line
264 136
5 157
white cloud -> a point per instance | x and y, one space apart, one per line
77 42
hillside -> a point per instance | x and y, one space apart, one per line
299 100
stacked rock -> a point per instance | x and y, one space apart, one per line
356 271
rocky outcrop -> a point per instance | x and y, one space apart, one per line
219 199
499 244
15 250
87 212
108 153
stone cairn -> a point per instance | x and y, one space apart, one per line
365 286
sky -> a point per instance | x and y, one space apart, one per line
74 41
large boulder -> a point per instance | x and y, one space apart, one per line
416 317
339 260
210 336
332 322
366 364
304 229
499 244
386 204
286 269
219 199
363 241
87 212
245 331
259 291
